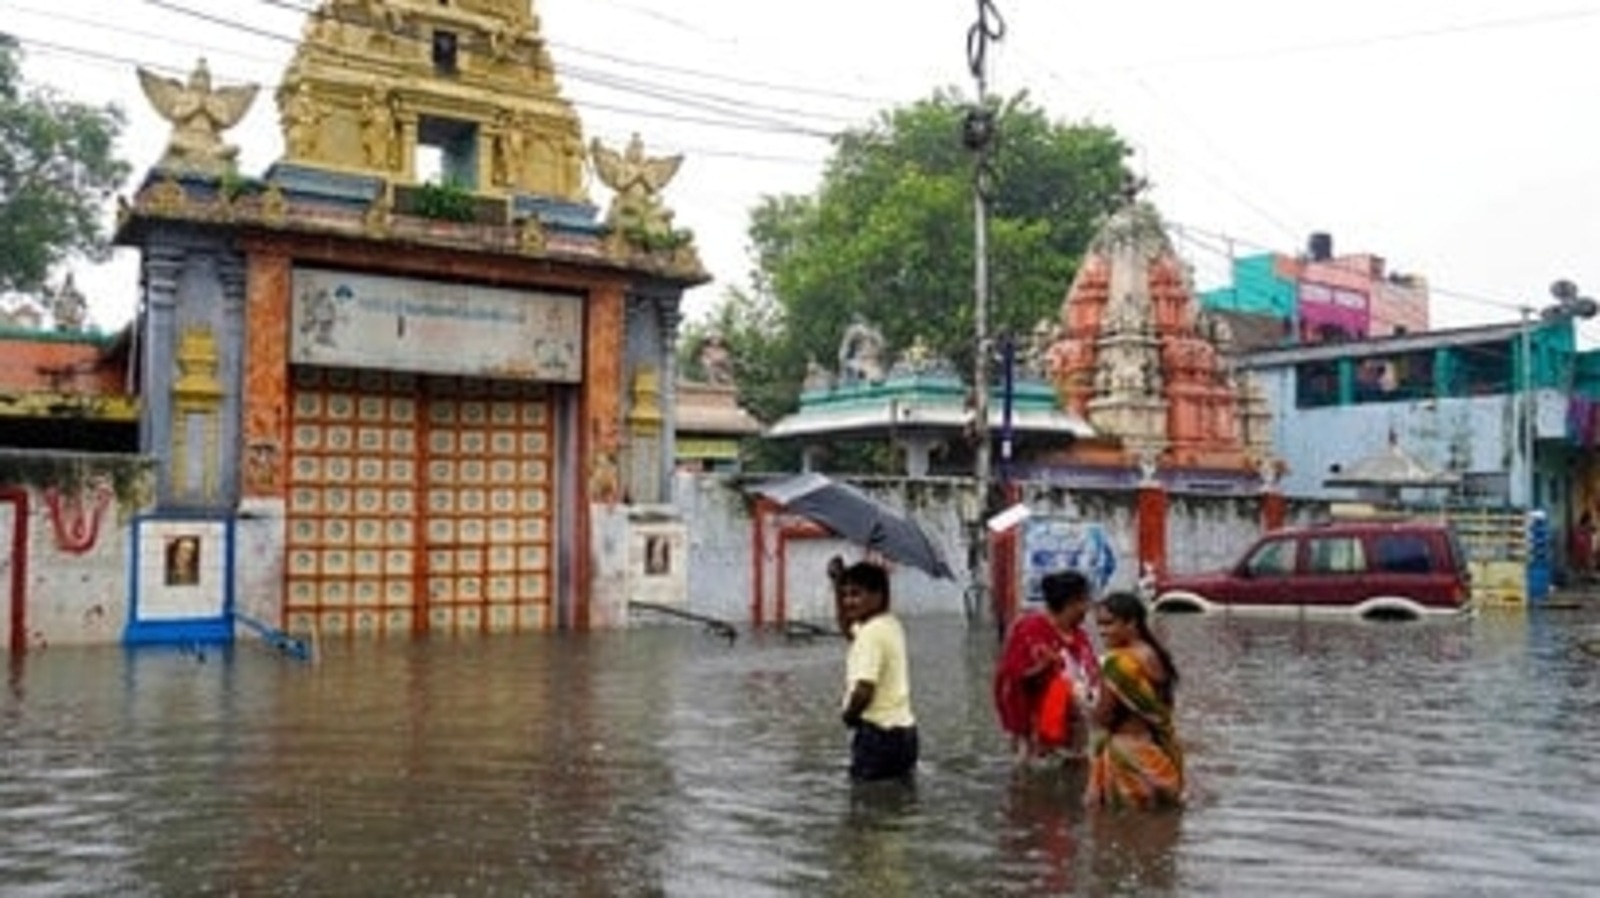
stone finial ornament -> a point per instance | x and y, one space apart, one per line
68 306
861 354
199 113
637 181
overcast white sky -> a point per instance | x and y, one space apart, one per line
1453 137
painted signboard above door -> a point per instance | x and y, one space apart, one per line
403 324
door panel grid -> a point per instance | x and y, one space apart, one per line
418 504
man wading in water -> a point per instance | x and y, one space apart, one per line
877 704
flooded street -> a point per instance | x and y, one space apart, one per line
1325 758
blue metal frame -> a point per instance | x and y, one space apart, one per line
217 629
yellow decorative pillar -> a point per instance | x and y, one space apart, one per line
644 437
196 407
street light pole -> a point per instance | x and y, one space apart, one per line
977 133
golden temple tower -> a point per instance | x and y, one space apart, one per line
382 86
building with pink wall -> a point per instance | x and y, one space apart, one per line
1324 298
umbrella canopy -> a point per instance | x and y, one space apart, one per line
859 518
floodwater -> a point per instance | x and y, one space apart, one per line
1454 759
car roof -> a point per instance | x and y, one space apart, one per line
1345 528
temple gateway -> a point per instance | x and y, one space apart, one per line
393 383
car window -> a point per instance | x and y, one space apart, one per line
1273 558
1337 555
1403 553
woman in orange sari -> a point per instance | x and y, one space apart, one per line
1135 761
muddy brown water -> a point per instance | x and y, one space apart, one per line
1326 758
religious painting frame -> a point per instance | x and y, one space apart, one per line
182 587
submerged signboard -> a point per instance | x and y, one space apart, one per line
432 327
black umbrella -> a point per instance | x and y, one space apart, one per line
859 518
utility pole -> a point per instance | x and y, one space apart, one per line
978 134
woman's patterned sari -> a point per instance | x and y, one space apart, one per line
1137 763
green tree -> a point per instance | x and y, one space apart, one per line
888 235
57 169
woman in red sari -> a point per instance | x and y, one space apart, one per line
1136 761
1047 678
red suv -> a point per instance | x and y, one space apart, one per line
1374 569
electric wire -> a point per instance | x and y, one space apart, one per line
739 120
989 27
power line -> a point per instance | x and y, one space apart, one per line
122 60
742 121
1503 305
102 25
758 117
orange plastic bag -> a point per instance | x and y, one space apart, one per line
1055 712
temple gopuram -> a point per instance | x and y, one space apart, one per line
1151 373
392 383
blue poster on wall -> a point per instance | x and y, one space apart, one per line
1055 544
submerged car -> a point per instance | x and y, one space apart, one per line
1368 569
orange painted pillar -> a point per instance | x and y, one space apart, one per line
1003 586
601 439
266 373
1274 510
1151 512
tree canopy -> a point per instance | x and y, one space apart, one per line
57 169
888 235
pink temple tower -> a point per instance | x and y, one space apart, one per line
1146 367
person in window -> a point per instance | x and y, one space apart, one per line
1047 677
877 701
1135 759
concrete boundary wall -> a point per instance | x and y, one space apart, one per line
1203 531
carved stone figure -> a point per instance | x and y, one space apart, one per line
716 362
605 479
302 117
1149 463
1127 376
1036 357
510 150
377 130
375 12
530 236
918 359
569 173
818 378
199 113
861 354
637 180
68 307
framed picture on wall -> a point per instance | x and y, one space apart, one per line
657 556
182 567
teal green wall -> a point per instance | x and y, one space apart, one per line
1257 290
